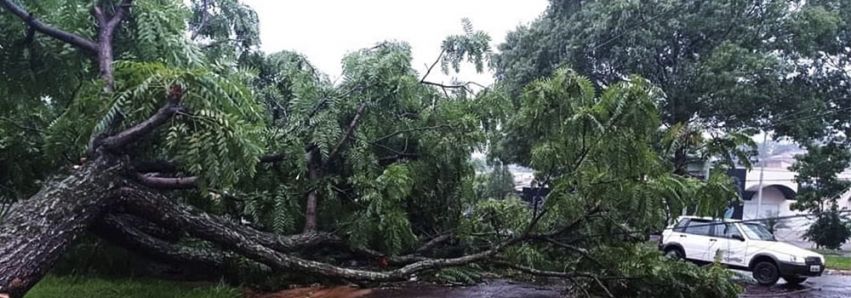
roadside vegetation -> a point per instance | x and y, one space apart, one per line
85 286
838 262
836 259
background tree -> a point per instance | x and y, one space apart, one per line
821 125
498 183
820 190
724 66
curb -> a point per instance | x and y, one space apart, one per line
837 272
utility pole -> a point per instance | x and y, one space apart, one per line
761 174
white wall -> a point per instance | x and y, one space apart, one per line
773 200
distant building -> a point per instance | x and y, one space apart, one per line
523 177
778 194
779 187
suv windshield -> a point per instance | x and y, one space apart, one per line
757 231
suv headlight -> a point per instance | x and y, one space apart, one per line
795 259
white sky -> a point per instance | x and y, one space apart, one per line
325 30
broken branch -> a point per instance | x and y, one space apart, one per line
167 182
439 56
157 208
349 131
117 228
64 36
143 128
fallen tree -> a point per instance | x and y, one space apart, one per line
36 233
267 169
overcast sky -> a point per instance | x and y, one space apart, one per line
325 30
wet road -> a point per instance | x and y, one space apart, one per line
491 289
827 286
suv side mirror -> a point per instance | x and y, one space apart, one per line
738 237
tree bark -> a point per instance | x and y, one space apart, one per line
314 168
105 59
38 230
106 31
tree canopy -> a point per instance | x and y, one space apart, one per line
159 126
725 67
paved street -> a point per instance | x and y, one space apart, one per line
828 286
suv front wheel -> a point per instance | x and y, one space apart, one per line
766 273
674 253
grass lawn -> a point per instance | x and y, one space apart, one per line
837 262
79 287
836 259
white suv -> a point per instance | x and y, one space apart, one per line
740 245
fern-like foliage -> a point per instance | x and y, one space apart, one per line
465 275
158 34
227 29
219 138
473 45
384 221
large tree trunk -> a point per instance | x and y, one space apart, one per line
38 230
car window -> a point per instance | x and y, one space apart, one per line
757 231
717 228
699 227
729 231
681 225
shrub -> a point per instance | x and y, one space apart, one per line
829 231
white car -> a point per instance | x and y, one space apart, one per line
739 245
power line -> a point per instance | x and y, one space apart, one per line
756 220
812 117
